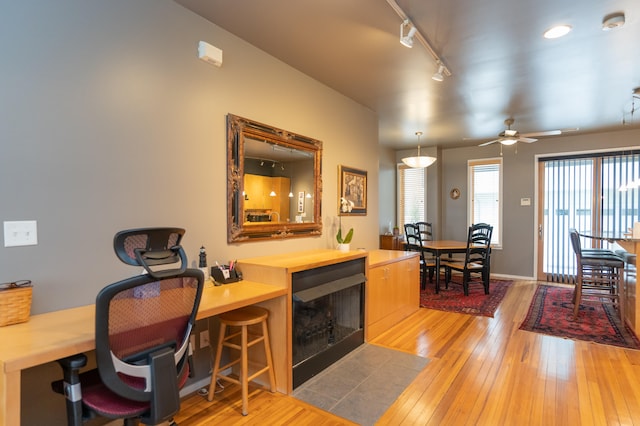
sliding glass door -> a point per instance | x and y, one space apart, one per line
595 194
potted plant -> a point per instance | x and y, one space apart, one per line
343 242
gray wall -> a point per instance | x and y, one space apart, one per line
110 121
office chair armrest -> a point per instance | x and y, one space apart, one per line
165 399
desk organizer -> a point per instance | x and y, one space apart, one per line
15 305
219 276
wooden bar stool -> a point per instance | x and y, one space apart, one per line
243 318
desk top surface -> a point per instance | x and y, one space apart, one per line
303 260
54 335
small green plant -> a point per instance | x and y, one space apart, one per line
346 239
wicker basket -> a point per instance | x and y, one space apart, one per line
15 305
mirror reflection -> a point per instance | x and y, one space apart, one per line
274 182
278 183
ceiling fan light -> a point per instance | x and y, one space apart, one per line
508 141
557 31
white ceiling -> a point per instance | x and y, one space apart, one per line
501 65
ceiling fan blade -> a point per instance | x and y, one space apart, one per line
547 133
526 140
490 142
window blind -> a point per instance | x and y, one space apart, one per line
411 193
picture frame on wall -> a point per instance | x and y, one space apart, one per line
353 188
301 202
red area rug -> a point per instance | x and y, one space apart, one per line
452 299
551 312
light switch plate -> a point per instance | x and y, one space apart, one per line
20 233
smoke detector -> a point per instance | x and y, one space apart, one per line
613 21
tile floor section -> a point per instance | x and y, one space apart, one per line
362 385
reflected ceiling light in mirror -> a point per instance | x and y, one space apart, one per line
557 31
407 40
419 162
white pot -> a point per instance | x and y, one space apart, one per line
344 247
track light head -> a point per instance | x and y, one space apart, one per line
439 76
408 39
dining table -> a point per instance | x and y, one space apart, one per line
439 247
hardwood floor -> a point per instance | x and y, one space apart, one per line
483 371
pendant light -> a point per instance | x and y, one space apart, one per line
419 161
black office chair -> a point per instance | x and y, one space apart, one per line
142 334
477 258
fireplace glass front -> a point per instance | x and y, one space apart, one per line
328 316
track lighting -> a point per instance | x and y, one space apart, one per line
408 39
413 34
419 162
439 76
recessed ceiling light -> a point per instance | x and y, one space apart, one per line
557 31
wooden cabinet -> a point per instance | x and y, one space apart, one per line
393 289
391 242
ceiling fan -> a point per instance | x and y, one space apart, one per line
510 136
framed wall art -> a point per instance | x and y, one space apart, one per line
301 202
353 189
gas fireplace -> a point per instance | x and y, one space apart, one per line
328 316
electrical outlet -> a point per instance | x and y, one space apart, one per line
204 338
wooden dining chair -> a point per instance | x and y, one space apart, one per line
413 242
477 258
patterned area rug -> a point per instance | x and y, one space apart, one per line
551 312
454 300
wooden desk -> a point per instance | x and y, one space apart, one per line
54 335
440 247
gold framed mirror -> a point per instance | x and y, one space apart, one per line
274 186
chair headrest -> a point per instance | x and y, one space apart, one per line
149 247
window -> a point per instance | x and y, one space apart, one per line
412 184
485 192
595 193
